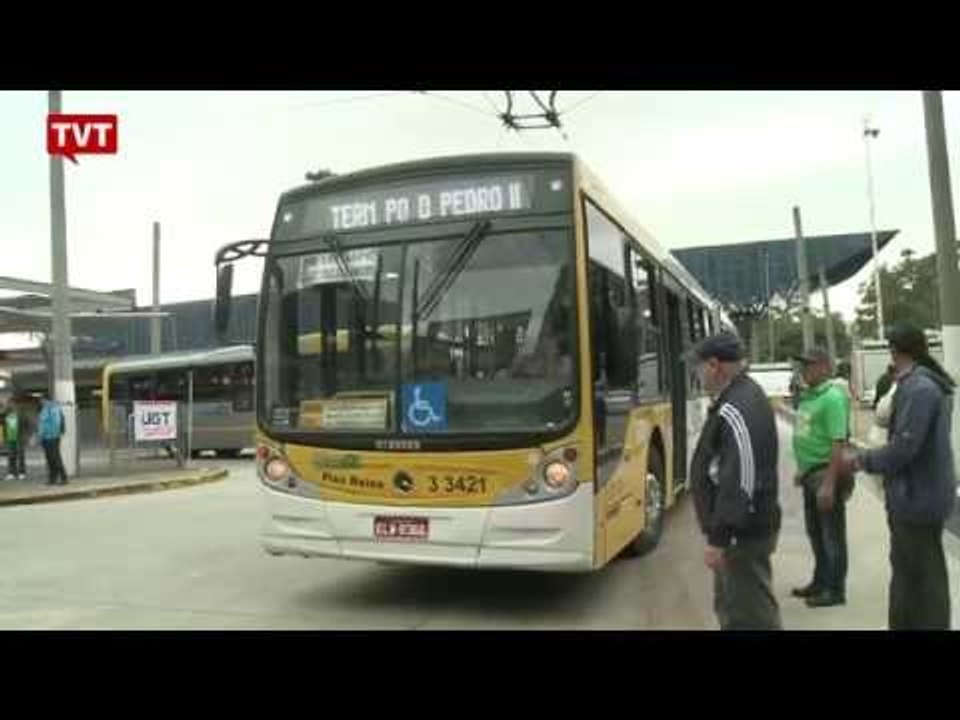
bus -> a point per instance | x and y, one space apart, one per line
473 361
217 383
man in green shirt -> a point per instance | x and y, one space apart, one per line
15 433
820 435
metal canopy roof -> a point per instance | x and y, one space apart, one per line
744 277
32 312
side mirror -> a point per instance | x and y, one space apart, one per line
224 296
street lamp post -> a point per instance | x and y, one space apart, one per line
872 132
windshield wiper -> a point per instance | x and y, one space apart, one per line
345 268
456 261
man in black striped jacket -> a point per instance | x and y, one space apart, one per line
734 480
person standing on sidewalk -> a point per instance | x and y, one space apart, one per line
882 414
820 436
842 379
15 432
734 482
919 483
884 385
51 427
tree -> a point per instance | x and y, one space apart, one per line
909 295
788 334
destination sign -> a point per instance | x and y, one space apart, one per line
422 201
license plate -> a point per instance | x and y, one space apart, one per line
401 528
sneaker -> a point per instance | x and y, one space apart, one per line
22 477
11 477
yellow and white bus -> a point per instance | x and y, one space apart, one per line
471 361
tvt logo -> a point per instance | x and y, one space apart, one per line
72 135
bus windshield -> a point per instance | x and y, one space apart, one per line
463 334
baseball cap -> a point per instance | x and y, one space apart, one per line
908 339
725 347
813 355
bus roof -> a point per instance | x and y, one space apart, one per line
426 166
194 358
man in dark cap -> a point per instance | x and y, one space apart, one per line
734 482
919 483
819 438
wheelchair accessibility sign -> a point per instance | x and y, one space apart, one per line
424 407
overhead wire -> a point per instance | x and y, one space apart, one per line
579 103
455 101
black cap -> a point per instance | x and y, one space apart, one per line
813 355
725 347
908 339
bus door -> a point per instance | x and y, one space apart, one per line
677 376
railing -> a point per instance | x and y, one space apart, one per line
126 449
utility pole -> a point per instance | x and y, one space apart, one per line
63 388
948 275
155 327
869 132
831 340
804 282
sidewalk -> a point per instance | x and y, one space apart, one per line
868 541
146 474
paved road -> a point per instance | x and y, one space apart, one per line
190 559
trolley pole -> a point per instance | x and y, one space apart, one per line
63 387
804 282
946 237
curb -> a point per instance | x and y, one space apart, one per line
108 491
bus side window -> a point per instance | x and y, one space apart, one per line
242 387
142 387
119 389
206 382
611 304
172 385
610 311
647 330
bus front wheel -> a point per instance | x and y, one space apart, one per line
654 497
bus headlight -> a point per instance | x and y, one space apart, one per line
552 478
276 473
557 475
276 470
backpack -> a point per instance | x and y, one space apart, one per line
51 422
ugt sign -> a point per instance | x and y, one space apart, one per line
154 420
72 135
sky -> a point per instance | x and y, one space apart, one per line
695 168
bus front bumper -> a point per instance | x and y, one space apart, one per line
553 535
